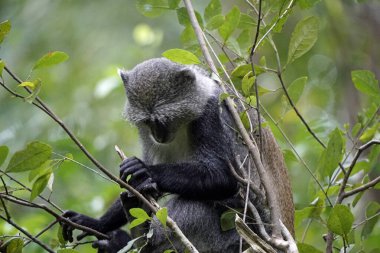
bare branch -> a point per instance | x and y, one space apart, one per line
48 227
272 201
31 237
297 112
60 218
362 188
342 194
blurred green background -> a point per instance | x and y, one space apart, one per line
85 91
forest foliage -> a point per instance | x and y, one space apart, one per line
316 87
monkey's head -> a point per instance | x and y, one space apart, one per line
162 96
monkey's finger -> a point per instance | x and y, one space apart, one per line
130 161
82 235
67 232
131 171
69 214
146 185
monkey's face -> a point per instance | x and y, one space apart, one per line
160 132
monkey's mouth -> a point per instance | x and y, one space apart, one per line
161 133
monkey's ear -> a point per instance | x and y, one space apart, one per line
185 76
124 75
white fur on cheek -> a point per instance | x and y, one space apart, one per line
206 85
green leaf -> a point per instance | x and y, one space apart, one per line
181 56
169 251
162 215
245 40
139 213
223 97
241 70
245 120
246 22
60 236
136 222
215 22
289 155
30 158
35 86
303 38
50 59
67 251
231 23
305 4
188 37
366 82
227 220
372 209
151 8
213 8
251 100
296 88
15 245
355 130
333 154
39 185
42 170
184 19
5 27
4 150
306 248
173 4
247 83
2 65
340 220
311 212
369 133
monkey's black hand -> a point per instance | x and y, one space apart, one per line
67 230
141 178
118 240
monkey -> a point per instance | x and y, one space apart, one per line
188 139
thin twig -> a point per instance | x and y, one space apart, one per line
342 194
297 112
30 190
271 197
31 237
362 188
255 82
43 230
23 202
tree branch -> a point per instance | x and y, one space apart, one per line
272 201
362 188
31 237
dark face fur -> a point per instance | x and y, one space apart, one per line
162 96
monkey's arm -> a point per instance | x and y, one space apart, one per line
203 178
111 220
207 179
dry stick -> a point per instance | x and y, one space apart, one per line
272 201
254 74
23 202
31 237
341 194
171 224
43 230
362 188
